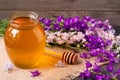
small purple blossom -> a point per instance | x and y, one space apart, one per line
42 20
107 77
84 55
82 75
86 74
95 42
96 68
93 52
100 59
59 19
35 73
47 22
88 64
57 27
117 72
87 18
109 68
99 77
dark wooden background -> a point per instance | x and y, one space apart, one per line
103 9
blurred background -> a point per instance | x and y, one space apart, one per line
102 9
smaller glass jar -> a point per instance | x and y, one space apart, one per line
24 39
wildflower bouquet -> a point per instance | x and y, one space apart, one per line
97 37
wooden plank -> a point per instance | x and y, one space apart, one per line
114 17
5 14
47 14
103 5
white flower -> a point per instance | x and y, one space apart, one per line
71 33
89 32
58 34
65 36
90 24
8 67
60 64
74 38
106 35
117 50
80 34
50 37
83 40
117 40
59 40
77 38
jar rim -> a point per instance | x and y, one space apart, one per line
29 14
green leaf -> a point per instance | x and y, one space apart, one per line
3 25
114 78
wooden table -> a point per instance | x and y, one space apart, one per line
48 73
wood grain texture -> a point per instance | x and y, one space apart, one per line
114 17
103 9
103 5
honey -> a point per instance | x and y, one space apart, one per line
25 41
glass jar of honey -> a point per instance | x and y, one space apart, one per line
24 39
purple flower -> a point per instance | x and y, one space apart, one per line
76 26
67 24
109 68
96 68
57 27
86 74
47 21
87 18
99 77
94 42
88 64
60 19
76 19
47 28
107 77
117 72
35 73
116 60
93 52
112 57
42 19
82 75
100 59
84 55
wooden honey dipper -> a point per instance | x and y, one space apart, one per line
68 57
